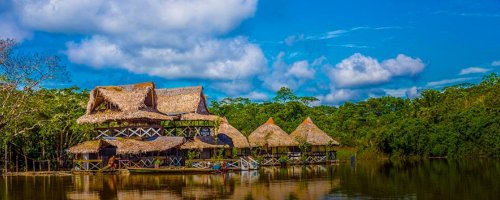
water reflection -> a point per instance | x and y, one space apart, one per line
438 179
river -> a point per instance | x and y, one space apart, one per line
435 179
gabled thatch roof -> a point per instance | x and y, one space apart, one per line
181 100
309 132
203 142
120 103
238 140
128 146
270 135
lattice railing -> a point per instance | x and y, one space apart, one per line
142 132
188 131
87 165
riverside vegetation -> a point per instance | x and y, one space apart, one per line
457 121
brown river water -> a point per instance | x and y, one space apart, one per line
435 179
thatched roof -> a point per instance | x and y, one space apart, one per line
120 103
92 146
203 142
309 132
199 117
181 100
237 139
128 146
270 135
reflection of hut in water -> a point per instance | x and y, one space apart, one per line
320 143
273 142
270 187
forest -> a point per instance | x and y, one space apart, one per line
457 121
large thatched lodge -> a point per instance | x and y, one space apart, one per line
141 127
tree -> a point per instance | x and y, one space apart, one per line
22 73
284 95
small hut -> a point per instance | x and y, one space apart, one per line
137 153
275 142
231 136
320 142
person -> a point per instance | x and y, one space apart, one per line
223 166
112 162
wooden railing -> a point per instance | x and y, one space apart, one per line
149 162
88 165
132 131
189 131
296 158
209 163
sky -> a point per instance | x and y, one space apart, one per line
337 51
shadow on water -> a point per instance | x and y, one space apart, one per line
436 179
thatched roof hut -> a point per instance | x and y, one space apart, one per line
128 146
203 142
309 132
175 101
270 135
136 102
232 136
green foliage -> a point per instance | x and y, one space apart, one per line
283 159
191 154
219 154
461 120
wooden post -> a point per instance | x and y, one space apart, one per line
40 165
49 164
34 166
17 164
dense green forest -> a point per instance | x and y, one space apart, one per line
462 120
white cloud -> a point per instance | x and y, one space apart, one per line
473 70
257 96
359 70
165 38
9 27
403 65
495 63
396 92
448 81
337 96
288 75
412 92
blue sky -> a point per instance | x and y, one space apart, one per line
336 51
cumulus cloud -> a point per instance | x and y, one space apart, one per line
449 81
9 27
473 70
359 70
257 96
412 92
336 96
289 75
495 63
165 38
